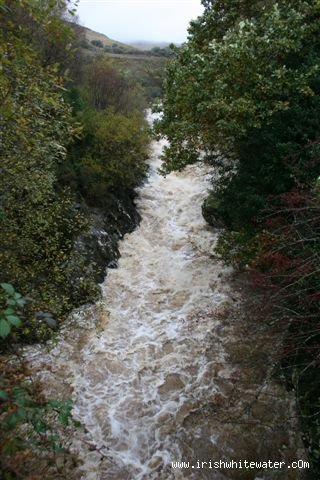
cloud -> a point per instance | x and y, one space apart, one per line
130 20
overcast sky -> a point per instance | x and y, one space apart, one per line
132 20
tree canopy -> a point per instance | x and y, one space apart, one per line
67 137
244 95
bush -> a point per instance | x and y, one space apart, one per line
97 43
113 155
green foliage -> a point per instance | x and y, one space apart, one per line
10 302
20 406
115 154
147 71
123 49
107 86
39 223
244 93
97 43
238 248
42 29
162 52
143 71
61 142
110 156
27 418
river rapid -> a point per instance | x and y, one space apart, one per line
149 369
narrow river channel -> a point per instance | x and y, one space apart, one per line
146 367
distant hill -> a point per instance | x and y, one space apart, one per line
93 38
145 67
93 43
99 40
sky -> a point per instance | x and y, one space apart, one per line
134 20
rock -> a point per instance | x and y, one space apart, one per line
99 247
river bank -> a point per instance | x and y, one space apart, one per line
168 367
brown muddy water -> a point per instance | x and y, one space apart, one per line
165 368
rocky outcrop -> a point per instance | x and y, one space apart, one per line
107 225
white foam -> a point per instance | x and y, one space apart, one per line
132 377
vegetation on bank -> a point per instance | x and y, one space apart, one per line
72 133
143 66
73 137
244 91
118 49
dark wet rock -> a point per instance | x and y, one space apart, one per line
48 318
107 225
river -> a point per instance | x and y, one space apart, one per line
151 378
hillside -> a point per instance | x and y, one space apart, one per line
95 42
91 36
145 65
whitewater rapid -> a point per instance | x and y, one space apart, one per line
147 368
143 365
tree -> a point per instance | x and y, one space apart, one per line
108 161
241 98
38 220
113 161
244 94
106 86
